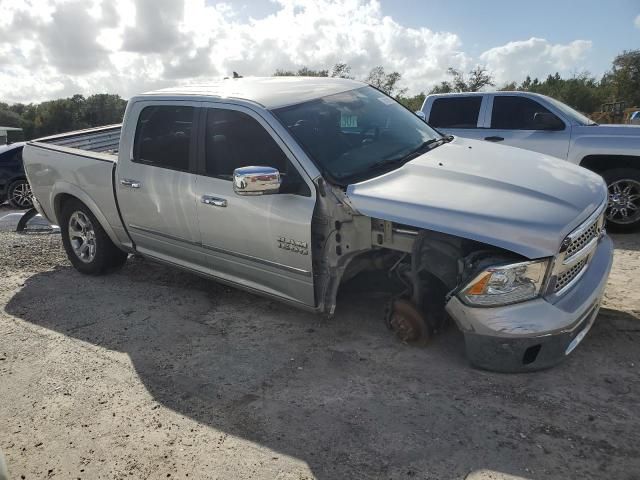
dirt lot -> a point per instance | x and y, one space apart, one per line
154 373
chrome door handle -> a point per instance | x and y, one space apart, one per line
127 182
213 201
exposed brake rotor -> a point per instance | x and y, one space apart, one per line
407 322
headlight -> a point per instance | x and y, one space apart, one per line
506 284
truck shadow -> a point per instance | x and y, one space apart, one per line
627 241
342 394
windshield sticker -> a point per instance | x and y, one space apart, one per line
348 121
386 100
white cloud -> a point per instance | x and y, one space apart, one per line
54 48
535 57
636 22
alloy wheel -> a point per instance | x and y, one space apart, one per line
624 201
82 236
21 195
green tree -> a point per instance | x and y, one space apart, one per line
583 92
64 114
509 87
413 103
477 78
8 118
341 70
301 72
624 78
442 87
387 82
103 109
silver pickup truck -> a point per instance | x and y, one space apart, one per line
288 187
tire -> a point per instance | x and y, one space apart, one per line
623 210
19 194
89 248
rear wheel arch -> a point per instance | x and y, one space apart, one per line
59 201
69 192
106 255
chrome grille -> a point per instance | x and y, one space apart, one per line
578 243
563 279
576 252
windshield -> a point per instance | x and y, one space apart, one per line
576 116
355 135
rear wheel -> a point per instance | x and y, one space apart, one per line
623 208
19 194
89 248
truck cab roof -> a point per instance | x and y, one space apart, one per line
269 92
496 92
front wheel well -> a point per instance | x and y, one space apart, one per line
602 163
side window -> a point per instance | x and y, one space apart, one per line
163 137
516 113
455 112
233 139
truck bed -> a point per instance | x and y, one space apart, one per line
101 140
81 164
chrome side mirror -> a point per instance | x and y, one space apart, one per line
256 180
421 115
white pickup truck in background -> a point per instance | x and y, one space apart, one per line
542 124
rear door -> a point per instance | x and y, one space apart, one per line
155 181
511 122
457 115
249 239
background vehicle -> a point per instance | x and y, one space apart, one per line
634 119
542 124
10 135
14 187
288 187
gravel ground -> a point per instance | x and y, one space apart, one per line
154 373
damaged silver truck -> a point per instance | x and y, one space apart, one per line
288 187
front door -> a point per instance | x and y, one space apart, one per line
512 123
155 186
262 242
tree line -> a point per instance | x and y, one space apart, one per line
63 115
583 92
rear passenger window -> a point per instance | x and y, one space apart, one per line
163 137
515 113
455 112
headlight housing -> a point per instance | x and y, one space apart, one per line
505 284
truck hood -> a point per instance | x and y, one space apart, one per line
515 199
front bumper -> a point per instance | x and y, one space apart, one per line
535 334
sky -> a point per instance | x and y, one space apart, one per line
56 48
